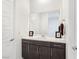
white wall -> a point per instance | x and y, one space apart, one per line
72 32
70 18
21 23
65 15
42 6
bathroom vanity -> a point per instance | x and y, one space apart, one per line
44 40
36 49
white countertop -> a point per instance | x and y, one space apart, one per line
48 39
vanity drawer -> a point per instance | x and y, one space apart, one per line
43 43
34 42
25 41
57 45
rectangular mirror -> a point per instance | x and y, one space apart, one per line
44 23
44 17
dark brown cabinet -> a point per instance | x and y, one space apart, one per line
25 50
33 52
58 51
42 50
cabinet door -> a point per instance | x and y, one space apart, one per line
44 52
33 52
57 53
25 50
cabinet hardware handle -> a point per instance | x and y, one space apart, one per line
37 50
57 45
51 51
28 48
